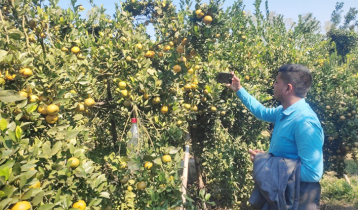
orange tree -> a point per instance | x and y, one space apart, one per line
69 87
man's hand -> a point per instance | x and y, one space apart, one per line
254 152
235 84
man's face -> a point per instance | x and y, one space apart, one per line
279 88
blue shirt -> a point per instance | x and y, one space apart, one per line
297 133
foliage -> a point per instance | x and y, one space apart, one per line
103 70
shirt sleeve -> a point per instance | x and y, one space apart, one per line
309 141
256 108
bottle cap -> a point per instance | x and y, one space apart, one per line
134 120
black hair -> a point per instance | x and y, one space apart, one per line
299 76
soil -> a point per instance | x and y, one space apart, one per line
335 207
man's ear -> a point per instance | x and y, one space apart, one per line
289 88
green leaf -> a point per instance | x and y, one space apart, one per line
38 198
95 202
46 148
158 161
30 173
9 96
2 194
6 173
3 124
71 134
173 150
23 181
3 53
31 107
207 196
5 202
46 207
56 148
104 195
15 34
31 193
12 135
18 132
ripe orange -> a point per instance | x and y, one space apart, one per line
222 113
171 43
90 102
194 108
156 100
166 48
182 59
36 185
180 49
75 162
199 13
26 72
129 58
139 46
187 106
164 109
64 49
213 109
149 54
22 205
75 50
166 158
80 107
23 94
51 119
207 20
42 109
187 87
122 85
52 109
145 96
129 188
247 77
179 122
190 71
184 41
177 68
148 165
81 205
33 98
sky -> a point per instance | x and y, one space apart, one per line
290 9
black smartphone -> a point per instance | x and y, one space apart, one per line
224 77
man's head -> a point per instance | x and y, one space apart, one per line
292 80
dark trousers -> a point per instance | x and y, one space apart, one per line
310 196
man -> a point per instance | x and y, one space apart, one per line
297 133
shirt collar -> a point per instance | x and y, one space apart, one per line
294 107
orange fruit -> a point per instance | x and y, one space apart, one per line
52 109
22 205
75 162
148 165
75 50
64 49
122 85
33 98
23 94
51 119
26 72
184 41
166 158
180 49
156 100
207 20
80 107
90 102
166 48
213 109
141 185
36 185
42 109
164 109
177 68
81 205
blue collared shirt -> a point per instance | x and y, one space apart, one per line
297 133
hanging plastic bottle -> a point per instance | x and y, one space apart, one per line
133 141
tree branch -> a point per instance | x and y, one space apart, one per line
3 22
